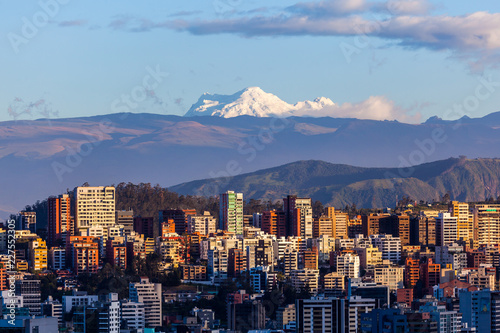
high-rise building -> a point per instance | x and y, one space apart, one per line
178 216
31 292
412 272
284 315
290 260
332 315
299 217
371 224
59 220
305 279
447 321
217 263
397 226
26 221
426 230
274 223
203 224
94 206
126 219
446 229
231 212
150 295
311 258
84 254
132 313
430 274
487 224
389 246
348 265
145 226
236 262
391 276
53 308
246 316
384 320
38 254
465 226
340 223
57 258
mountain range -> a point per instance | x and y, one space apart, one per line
340 185
44 157
253 101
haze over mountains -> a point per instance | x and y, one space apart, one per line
340 185
44 157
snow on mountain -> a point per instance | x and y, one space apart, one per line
255 102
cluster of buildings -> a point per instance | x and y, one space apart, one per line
410 271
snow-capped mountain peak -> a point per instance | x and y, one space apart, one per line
252 101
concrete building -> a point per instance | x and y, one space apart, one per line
126 219
447 321
389 246
391 276
203 224
334 281
94 206
217 264
486 224
274 223
133 314
446 229
53 308
290 260
77 298
231 212
246 316
305 279
38 254
331 315
348 265
31 292
57 258
150 295
285 315
299 217
26 221
465 220
59 220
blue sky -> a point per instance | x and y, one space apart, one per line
414 58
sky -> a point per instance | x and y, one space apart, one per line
399 59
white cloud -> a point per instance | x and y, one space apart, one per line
374 108
408 7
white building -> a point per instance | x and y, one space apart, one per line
78 298
203 224
94 205
57 258
348 265
389 246
446 229
150 294
217 263
391 276
133 313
